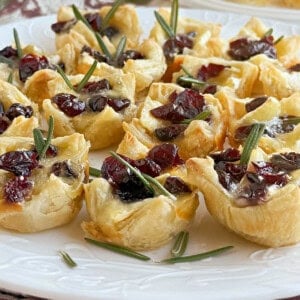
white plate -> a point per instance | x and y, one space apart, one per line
280 13
29 263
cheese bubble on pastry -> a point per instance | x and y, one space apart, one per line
18 115
38 194
260 201
125 212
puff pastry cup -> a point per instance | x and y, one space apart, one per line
271 221
125 21
51 196
103 127
20 115
197 138
280 116
142 225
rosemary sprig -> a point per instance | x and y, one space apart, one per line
174 16
103 46
132 169
80 17
180 244
18 44
196 257
119 249
268 33
94 172
278 40
184 69
64 76
251 142
42 145
111 13
191 80
159 186
10 77
120 48
164 25
291 121
86 77
67 259
201 116
6 60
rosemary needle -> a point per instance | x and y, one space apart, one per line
94 172
18 44
180 244
65 78
67 259
86 77
164 25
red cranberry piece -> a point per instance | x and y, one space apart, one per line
254 192
169 133
175 45
97 103
19 162
210 89
230 155
133 190
17 109
63 169
4 123
9 52
209 71
96 87
176 185
94 20
244 48
17 189
286 161
63 26
69 104
242 132
31 63
255 103
110 31
128 54
165 155
95 54
147 166
51 151
118 104
295 68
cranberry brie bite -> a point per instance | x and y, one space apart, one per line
259 201
41 193
97 111
18 115
128 211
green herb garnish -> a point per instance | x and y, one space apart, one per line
10 77
164 25
102 46
94 172
119 249
6 60
278 40
67 259
256 132
41 144
180 244
86 77
120 48
196 257
64 76
191 80
174 16
268 33
291 121
201 116
18 44
184 69
80 17
110 14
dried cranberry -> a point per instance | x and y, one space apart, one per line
97 103
176 185
110 31
118 104
210 89
175 45
63 26
128 54
286 161
255 103
17 109
133 189
95 87
63 169
17 189
244 48
242 132
51 151
19 162
69 104
31 63
295 68
209 71
165 155
9 52
186 105
230 155
229 173
4 123
95 54
147 166
254 192
169 133
94 20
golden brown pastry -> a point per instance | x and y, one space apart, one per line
38 194
258 202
